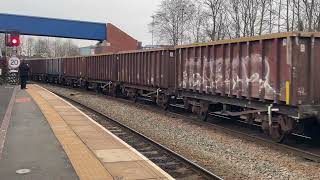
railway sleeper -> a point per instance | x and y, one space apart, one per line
144 149
172 165
159 159
152 152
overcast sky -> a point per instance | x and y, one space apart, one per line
132 16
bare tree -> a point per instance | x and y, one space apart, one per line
2 40
317 16
215 12
309 7
263 5
57 48
197 24
236 18
234 13
2 44
42 48
279 14
172 20
70 48
29 46
244 15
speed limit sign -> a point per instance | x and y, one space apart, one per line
14 62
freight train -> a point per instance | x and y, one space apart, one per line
269 80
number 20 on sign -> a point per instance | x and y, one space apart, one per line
14 62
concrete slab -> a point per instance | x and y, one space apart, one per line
89 137
78 123
31 144
99 144
5 95
74 118
131 170
69 113
85 128
63 107
117 155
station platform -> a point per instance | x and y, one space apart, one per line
44 137
5 95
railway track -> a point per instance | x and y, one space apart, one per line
244 131
173 163
304 151
249 132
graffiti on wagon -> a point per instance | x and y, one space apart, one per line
216 77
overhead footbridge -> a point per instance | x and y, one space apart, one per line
39 26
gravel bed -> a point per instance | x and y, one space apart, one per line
223 154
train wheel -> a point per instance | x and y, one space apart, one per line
265 127
281 128
165 106
163 101
276 133
203 115
135 99
204 110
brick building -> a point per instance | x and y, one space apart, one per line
117 41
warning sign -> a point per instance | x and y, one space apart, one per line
14 62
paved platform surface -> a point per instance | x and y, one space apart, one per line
94 152
30 143
5 95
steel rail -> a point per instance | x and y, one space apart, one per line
207 174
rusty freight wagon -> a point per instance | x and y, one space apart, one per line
38 69
102 73
54 69
148 74
270 79
74 70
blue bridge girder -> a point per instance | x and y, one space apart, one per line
39 26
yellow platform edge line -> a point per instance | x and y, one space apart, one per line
84 162
165 174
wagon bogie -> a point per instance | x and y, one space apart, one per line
272 122
163 100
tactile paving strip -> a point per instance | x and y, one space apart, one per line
120 160
85 163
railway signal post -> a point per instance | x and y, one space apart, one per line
10 63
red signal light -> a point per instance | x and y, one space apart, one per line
14 40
